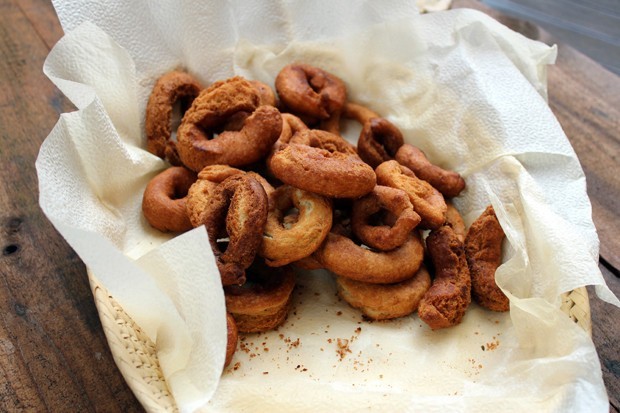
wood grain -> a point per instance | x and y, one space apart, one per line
53 353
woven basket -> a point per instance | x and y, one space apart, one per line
136 357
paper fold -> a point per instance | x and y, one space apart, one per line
466 90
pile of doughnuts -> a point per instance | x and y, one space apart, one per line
276 187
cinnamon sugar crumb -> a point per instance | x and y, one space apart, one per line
342 347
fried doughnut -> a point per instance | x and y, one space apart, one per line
282 243
170 88
308 263
483 248
449 183
455 220
342 256
237 209
358 112
263 302
427 201
291 124
200 192
323 163
265 93
308 90
197 145
382 236
444 304
164 199
385 301
378 142
232 338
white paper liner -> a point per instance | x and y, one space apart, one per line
468 91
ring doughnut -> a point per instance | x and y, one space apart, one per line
483 248
385 301
211 110
282 243
200 192
445 302
358 112
308 263
427 201
265 93
237 209
378 142
170 88
323 163
232 338
342 256
164 199
449 183
455 220
263 302
382 236
308 90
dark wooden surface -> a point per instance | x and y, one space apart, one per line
53 353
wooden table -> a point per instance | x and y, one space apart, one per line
53 353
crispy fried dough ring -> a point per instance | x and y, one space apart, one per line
265 93
236 208
384 237
308 90
427 201
208 179
323 163
449 183
283 244
342 256
444 304
163 202
385 301
455 220
200 192
358 112
211 110
378 142
263 303
170 88
232 338
483 247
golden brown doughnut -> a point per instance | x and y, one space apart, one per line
378 142
385 301
237 209
284 243
380 235
265 93
449 183
200 192
262 303
323 163
358 112
483 247
170 88
455 220
308 90
163 202
444 304
427 201
232 338
344 257
211 110
308 263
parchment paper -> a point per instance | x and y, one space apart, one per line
468 91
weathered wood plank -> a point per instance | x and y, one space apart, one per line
53 353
